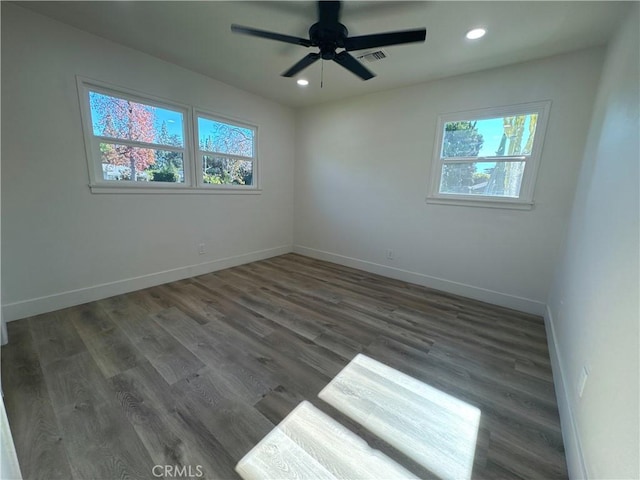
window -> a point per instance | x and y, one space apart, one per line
488 157
137 144
226 152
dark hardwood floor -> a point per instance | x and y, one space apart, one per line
197 372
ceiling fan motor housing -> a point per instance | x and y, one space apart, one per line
328 37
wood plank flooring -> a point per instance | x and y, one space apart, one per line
197 372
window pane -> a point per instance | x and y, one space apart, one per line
502 136
221 137
496 179
124 119
218 170
118 161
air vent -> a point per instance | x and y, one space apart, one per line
370 57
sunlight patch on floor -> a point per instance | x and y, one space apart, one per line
429 426
308 444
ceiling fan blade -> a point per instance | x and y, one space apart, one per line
353 65
270 35
302 64
328 12
385 39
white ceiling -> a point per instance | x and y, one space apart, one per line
197 36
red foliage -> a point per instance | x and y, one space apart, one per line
123 119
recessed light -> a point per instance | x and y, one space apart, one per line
476 33
302 82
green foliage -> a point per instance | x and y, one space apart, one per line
168 174
226 171
215 179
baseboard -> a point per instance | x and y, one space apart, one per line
489 296
49 303
572 445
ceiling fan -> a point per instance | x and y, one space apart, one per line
329 35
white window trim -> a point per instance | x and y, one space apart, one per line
525 201
193 183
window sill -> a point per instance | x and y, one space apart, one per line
486 203
179 190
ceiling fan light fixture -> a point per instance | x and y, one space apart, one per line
302 82
476 33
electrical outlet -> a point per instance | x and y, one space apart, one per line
390 254
201 249
582 382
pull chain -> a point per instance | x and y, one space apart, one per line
321 73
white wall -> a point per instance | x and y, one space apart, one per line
362 167
9 466
593 306
3 326
57 237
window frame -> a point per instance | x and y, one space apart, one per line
193 182
201 113
532 161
